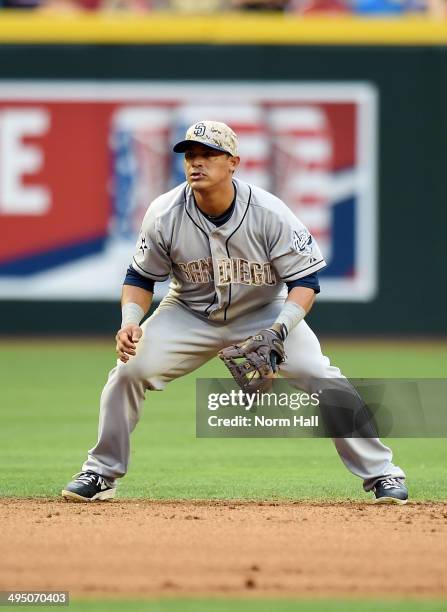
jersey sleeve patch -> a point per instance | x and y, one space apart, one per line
302 242
151 258
294 252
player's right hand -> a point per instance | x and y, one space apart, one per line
126 341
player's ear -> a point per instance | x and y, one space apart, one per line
234 163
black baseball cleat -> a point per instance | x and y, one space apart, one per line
87 487
390 491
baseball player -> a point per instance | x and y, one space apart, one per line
241 266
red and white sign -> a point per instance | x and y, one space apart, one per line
80 162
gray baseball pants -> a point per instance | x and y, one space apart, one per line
176 342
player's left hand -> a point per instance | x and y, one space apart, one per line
126 341
253 363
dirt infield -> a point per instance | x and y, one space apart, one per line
222 548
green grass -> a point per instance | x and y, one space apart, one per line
48 419
257 605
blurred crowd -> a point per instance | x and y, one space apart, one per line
432 8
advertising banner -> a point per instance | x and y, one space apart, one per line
81 162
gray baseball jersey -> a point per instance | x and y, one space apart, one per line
223 272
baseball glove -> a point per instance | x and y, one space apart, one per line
253 362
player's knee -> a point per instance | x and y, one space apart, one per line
310 370
139 373
133 372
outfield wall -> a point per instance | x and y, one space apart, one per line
404 64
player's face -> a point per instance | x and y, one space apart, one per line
206 168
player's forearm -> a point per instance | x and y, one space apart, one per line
137 295
135 303
303 296
299 301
